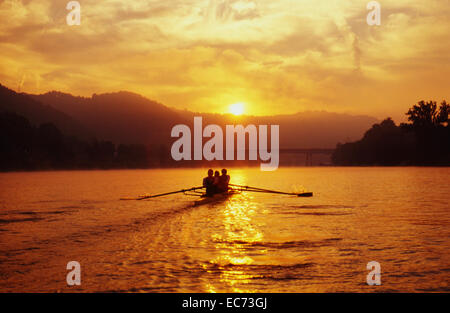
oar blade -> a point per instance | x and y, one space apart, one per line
163 194
134 198
305 194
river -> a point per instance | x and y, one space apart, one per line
252 242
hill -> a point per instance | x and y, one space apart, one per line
38 113
125 117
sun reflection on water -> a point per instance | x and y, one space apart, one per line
235 242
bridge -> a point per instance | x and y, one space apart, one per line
308 153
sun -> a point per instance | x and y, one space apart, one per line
237 108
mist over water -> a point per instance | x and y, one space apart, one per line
252 242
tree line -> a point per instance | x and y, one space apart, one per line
424 140
24 146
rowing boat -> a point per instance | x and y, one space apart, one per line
218 197
195 191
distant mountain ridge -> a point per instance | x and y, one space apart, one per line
125 117
121 117
39 113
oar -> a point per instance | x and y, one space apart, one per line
164 194
255 189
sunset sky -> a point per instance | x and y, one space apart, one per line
276 57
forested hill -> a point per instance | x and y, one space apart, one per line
38 113
125 117
425 140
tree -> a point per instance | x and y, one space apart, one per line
424 141
444 111
383 144
49 146
427 114
16 138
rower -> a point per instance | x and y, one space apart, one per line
216 182
224 180
208 183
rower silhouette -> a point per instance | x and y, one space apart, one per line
208 183
216 183
224 180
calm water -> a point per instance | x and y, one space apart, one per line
252 242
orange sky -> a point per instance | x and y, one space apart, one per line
277 57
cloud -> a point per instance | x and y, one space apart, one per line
236 10
278 56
